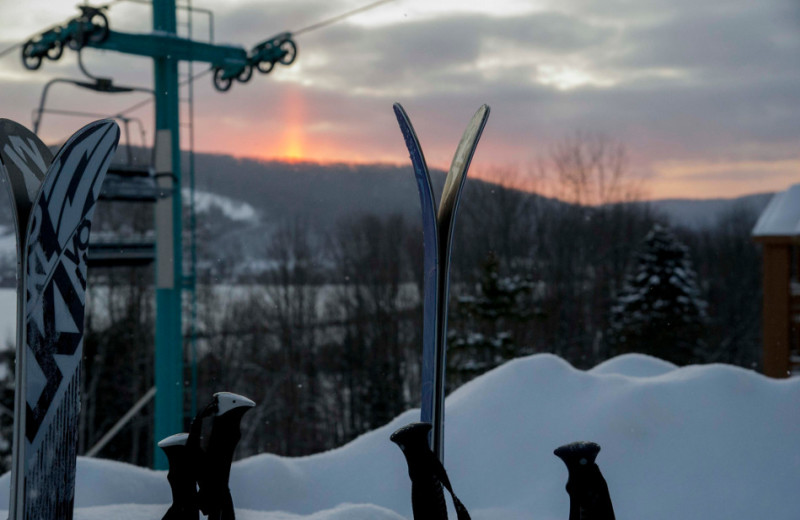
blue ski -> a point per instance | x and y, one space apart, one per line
430 237
438 227
50 336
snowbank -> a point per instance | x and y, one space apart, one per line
696 442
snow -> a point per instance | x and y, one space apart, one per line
233 209
696 442
781 217
634 365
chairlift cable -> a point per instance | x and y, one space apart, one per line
340 17
9 50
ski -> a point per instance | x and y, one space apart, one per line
24 159
438 227
52 256
430 238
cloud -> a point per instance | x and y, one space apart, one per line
675 80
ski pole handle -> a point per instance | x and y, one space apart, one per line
428 476
588 492
226 410
181 477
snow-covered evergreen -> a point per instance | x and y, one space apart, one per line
482 331
660 310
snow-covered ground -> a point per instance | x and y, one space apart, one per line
233 209
701 442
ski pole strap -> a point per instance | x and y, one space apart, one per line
441 475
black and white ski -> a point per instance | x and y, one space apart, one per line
437 227
52 276
24 158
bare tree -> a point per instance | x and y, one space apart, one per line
292 290
590 169
372 358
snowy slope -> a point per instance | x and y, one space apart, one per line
235 210
696 442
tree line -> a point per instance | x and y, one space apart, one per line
326 337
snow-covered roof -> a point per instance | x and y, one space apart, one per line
781 217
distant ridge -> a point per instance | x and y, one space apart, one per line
323 194
327 192
704 213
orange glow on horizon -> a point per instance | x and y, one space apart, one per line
684 179
292 144
673 180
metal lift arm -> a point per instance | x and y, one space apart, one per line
91 29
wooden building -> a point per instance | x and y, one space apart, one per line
778 231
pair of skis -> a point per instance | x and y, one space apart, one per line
588 491
437 229
423 443
53 201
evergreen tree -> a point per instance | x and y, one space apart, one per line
485 324
660 311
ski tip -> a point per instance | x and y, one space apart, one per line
108 129
11 127
112 126
578 453
400 113
100 122
482 114
179 439
103 125
227 401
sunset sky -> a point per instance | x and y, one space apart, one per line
704 95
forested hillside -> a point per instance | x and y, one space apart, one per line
309 295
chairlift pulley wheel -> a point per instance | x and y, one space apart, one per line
29 60
91 18
265 67
221 83
291 52
245 74
54 53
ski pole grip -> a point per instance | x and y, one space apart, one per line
427 474
588 491
226 412
427 496
181 478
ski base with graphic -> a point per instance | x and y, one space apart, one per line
52 272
